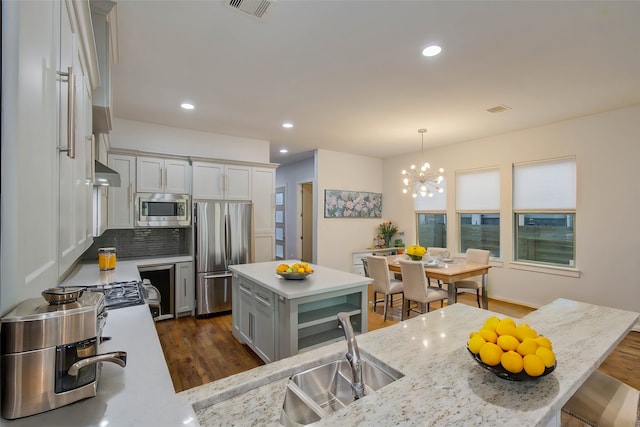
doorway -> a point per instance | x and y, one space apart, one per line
306 222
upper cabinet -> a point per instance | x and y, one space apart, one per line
104 18
221 181
35 94
157 175
120 200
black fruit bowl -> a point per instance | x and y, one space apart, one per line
500 372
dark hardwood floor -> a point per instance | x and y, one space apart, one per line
199 351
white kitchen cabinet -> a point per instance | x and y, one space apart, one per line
158 175
184 288
75 157
243 318
217 181
34 119
120 199
263 191
29 151
254 317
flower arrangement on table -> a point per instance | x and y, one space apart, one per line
416 252
387 229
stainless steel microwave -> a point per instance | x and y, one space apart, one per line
162 210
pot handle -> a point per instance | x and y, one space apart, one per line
118 357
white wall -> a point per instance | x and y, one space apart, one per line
289 176
338 237
132 135
607 150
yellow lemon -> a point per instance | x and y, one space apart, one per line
533 365
546 355
528 346
475 343
488 335
301 270
490 354
544 342
491 323
512 362
524 331
506 326
508 342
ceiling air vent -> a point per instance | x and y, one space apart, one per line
256 8
498 109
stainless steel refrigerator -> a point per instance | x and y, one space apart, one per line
223 237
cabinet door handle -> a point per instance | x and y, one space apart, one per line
185 286
71 110
266 301
251 320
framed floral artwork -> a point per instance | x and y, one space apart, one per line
352 204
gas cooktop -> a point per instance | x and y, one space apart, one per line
121 294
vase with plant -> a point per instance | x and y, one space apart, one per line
387 229
399 244
416 252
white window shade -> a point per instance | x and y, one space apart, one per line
545 185
478 190
436 203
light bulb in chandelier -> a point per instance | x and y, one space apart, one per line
422 181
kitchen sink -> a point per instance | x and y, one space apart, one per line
320 391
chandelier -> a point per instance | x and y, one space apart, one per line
422 181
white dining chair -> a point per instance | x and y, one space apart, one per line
439 254
602 401
382 282
474 256
416 287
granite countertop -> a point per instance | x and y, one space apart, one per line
442 384
321 281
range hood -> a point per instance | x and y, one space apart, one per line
106 176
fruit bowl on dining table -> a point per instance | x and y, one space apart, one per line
511 352
297 271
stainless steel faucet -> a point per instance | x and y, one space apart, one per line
353 355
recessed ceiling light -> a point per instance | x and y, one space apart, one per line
287 125
187 106
431 50
284 150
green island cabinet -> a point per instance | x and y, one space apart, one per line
278 318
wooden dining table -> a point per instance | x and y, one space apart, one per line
449 273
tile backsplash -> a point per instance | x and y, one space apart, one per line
141 243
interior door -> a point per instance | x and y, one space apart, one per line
307 222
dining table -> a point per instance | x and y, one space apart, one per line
449 273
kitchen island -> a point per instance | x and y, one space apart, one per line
277 318
442 384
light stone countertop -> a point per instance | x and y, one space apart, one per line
140 394
88 273
321 281
442 385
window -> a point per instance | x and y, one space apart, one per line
431 219
544 201
478 208
280 207
432 229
